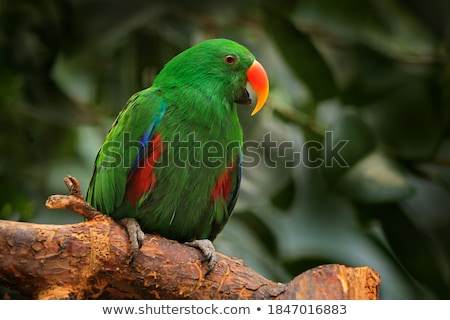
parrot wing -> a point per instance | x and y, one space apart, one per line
119 168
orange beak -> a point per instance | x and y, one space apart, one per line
257 77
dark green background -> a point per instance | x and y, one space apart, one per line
375 73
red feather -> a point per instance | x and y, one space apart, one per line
143 179
223 187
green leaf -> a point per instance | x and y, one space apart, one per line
284 198
385 25
302 56
373 75
375 179
409 121
348 142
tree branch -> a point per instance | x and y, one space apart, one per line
89 260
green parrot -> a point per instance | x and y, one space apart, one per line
172 159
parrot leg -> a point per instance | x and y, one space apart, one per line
207 248
136 235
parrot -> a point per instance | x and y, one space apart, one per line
171 164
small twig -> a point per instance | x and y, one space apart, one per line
301 119
74 201
74 186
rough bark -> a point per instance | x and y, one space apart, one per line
90 260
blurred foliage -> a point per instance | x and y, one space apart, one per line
373 74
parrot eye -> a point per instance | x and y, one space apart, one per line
230 59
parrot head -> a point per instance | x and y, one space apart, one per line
218 67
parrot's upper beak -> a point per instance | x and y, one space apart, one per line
257 77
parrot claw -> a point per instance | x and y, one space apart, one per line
136 235
209 253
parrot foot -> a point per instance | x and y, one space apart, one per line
136 235
207 248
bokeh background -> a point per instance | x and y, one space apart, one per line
374 73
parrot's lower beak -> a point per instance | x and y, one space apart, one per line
257 77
